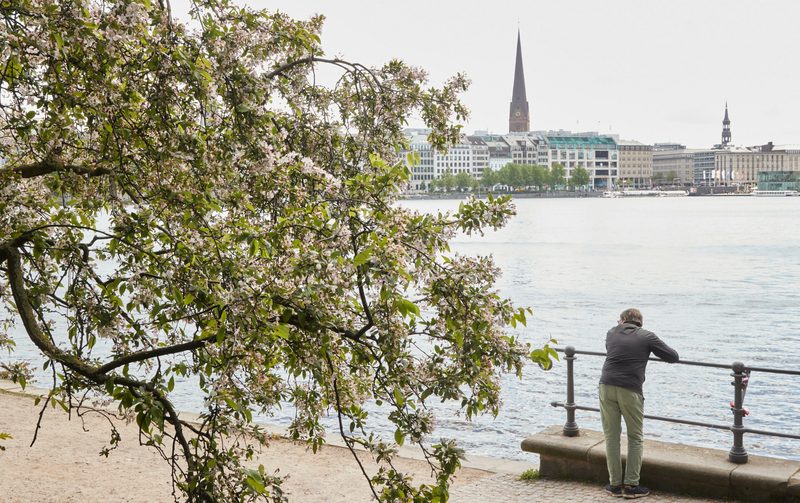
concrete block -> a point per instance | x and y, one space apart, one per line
793 486
554 467
682 468
551 441
566 457
763 478
669 467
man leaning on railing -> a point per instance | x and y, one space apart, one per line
628 347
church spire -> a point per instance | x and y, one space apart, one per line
518 115
726 127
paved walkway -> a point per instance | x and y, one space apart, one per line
500 485
507 488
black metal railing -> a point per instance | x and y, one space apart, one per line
740 374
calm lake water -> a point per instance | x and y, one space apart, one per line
717 278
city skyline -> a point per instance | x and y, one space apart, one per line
653 73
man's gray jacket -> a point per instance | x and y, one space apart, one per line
628 347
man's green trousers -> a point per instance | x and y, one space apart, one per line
617 403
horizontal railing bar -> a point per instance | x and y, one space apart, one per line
657 418
771 433
692 423
773 371
699 364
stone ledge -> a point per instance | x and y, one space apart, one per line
669 467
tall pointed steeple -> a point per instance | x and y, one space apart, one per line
518 114
726 127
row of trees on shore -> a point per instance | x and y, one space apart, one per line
515 176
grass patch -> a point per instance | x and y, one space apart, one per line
531 474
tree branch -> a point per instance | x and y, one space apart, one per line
54 164
345 65
347 440
26 313
308 321
153 353
7 246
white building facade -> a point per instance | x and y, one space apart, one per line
427 164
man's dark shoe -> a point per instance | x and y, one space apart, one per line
615 491
633 492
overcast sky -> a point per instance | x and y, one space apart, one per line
653 71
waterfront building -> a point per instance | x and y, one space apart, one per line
635 164
470 156
510 148
598 154
525 149
499 150
603 156
420 159
704 167
742 165
724 164
519 119
732 165
673 164
779 180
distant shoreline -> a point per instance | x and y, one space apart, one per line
551 195
520 195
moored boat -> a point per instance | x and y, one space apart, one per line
774 193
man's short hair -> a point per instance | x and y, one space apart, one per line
631 315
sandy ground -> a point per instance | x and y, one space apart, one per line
64 464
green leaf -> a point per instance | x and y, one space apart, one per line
254 247
407 307
282 331
256 485
13 69
362 257
399 398
255 481
399 437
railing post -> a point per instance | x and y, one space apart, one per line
570 427
738 454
